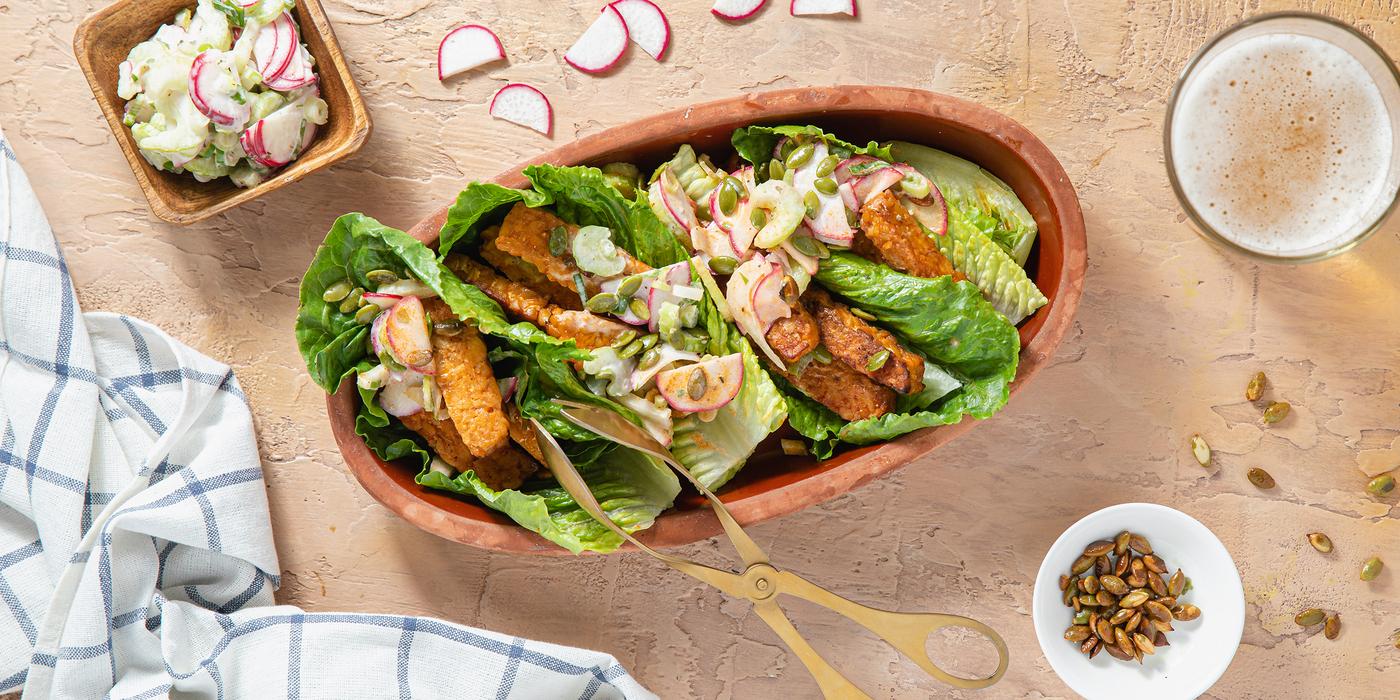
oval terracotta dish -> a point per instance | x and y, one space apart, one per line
773 484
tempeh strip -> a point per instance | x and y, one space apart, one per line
852 395
902 243
442 436
588 330
518 300
468 385
525 234
860 345
794 336
521 272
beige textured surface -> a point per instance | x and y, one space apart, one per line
1168 334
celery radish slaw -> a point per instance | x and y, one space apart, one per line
225 90
856 293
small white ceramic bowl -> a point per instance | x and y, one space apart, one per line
1200 650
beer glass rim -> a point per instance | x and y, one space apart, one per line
1206 229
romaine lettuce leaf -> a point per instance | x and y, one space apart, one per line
991 268
967 186
581 196
476 203
755 143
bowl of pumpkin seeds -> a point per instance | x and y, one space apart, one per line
1138 600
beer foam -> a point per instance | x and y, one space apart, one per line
1283 143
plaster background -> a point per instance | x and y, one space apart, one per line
1169 331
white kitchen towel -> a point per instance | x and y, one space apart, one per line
136 556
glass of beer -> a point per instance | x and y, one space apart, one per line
1282 138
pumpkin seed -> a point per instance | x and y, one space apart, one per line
649 359
825 185
1177 585
1084 584
799 156
737 186
450 328
789 292
1381 485
1372 568
1256 387
827 165
776 171
1123 641
804 245
1276 411
1113 585
862 314
1260 478
1134 599
366 314
629 286
1133 622
699 382
1084 617
1201 450
1095 651
630 349
1185 613
1104 598
1145 625
1077 633
822 251
1154 564
1136 580
1101 565
877 361
1167 601
785 150
1117 652
852 219
624 338
1089 644
352 302
337 291
677 339
1100 547
649 341
381 276
1309 617
728 200
558 241
1074 600
1120 617
1070 596
1120 543
813 204
758 218
1155 582
1086 599
723 265
1157 610
1333 626
1103 629
639 309
1320 542
602 303
1139 544
1161 640
1144 644
822 355
1122 566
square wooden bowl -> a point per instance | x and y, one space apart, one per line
103 41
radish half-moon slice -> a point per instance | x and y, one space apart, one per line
646 25
465 48
736 9
823 7
521 104
602 45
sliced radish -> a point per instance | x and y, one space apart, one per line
673 201
668 354
298 73
465 48
507 386
671 275
848 196
307 137
861 165
376 334
766 298
280 135
212 91
610 286
646 25
246 3
723 376
823 7
251 141
739 297
273 50
602 45
934 217
407 287
875 183
395 398
830 224
406 329
521 104
736 9
383 301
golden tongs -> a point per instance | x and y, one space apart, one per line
760 581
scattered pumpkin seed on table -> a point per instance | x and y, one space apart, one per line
1201 450
1381 485
1320 542
1309 617
1260 478
1256 387
1276 412
1333 626
1372 568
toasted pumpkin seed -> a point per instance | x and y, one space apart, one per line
822 355
649 359
1133 622
1276 411
366 314
827 165
450 328
1162 625
639 309
1124 642
1134 599
1157 610
877 361
1074 600
624 338
1201 450
852 219
602 303
1139 544
630 349
1095 651
1121 542
1117 652
1154 564
1144 644
1256 387
737 186
558 241
1309 617
1113 584
728 200
1121 617
1145 625
825 185
699 382
1155 582
1260 478
1101 565
799 157
1086 599
776 171
1104 598
1070 599
758 218
1161 640
1083 617
1121 567
1064 581
1100 547
785 150
1088 644
630 285
867 316
804 245
1185 613
1372 568
337 291
1333 626
381 276
1168 601
1087 587
1103 629
677 338
1077 633
813 204
1136 580
822 251
1177 585
723 265
1381 485
352 303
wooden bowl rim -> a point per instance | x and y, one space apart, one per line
361 124
678 528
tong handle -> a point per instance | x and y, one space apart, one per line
834 685
907 632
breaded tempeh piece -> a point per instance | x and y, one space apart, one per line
506 468
442 436
525 234
794 336
518 300
902 243
855 342
468 385
852 395
520 431
524 273
588 330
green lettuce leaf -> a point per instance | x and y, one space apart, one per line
582 197
991 268
967 186
474 205
755 143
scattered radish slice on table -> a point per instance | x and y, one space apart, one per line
646 25
823 7
465 48
521 104
602 45
736 9
722 378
